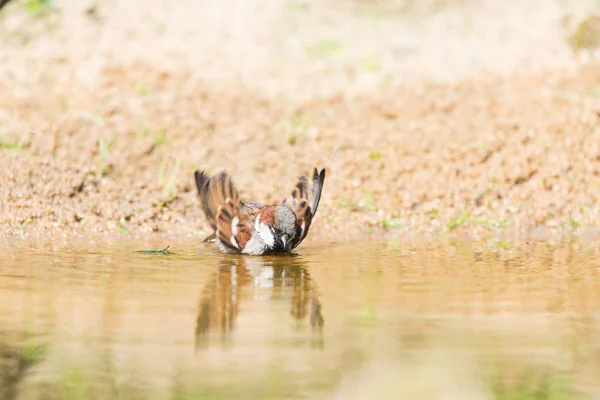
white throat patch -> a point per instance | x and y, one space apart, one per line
265 233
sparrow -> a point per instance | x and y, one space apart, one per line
249 227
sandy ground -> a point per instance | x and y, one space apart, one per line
447 116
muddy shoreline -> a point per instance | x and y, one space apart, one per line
516 154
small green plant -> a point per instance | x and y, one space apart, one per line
505 222
375 13
297 6
500 244
122 228
575 224
393 223
160 137
140 133
493 224
456 222
97 120
293 126
369 202
299 119
15 145
467 25
104 147
170 186
369 64
34 351
63 106
346 204
161 170
374 155
140 89
38 8
486 223
326 48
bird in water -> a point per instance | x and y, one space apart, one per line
249 227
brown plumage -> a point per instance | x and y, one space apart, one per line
213 191
274 228
233 235
267 215
305 206
221 204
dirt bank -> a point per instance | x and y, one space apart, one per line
505 152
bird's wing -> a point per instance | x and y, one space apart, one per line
223 209
304 204
234 228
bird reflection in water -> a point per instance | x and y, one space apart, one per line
241 279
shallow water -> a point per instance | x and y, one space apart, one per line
427 320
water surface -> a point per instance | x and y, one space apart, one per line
430 320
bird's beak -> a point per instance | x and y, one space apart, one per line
286 243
